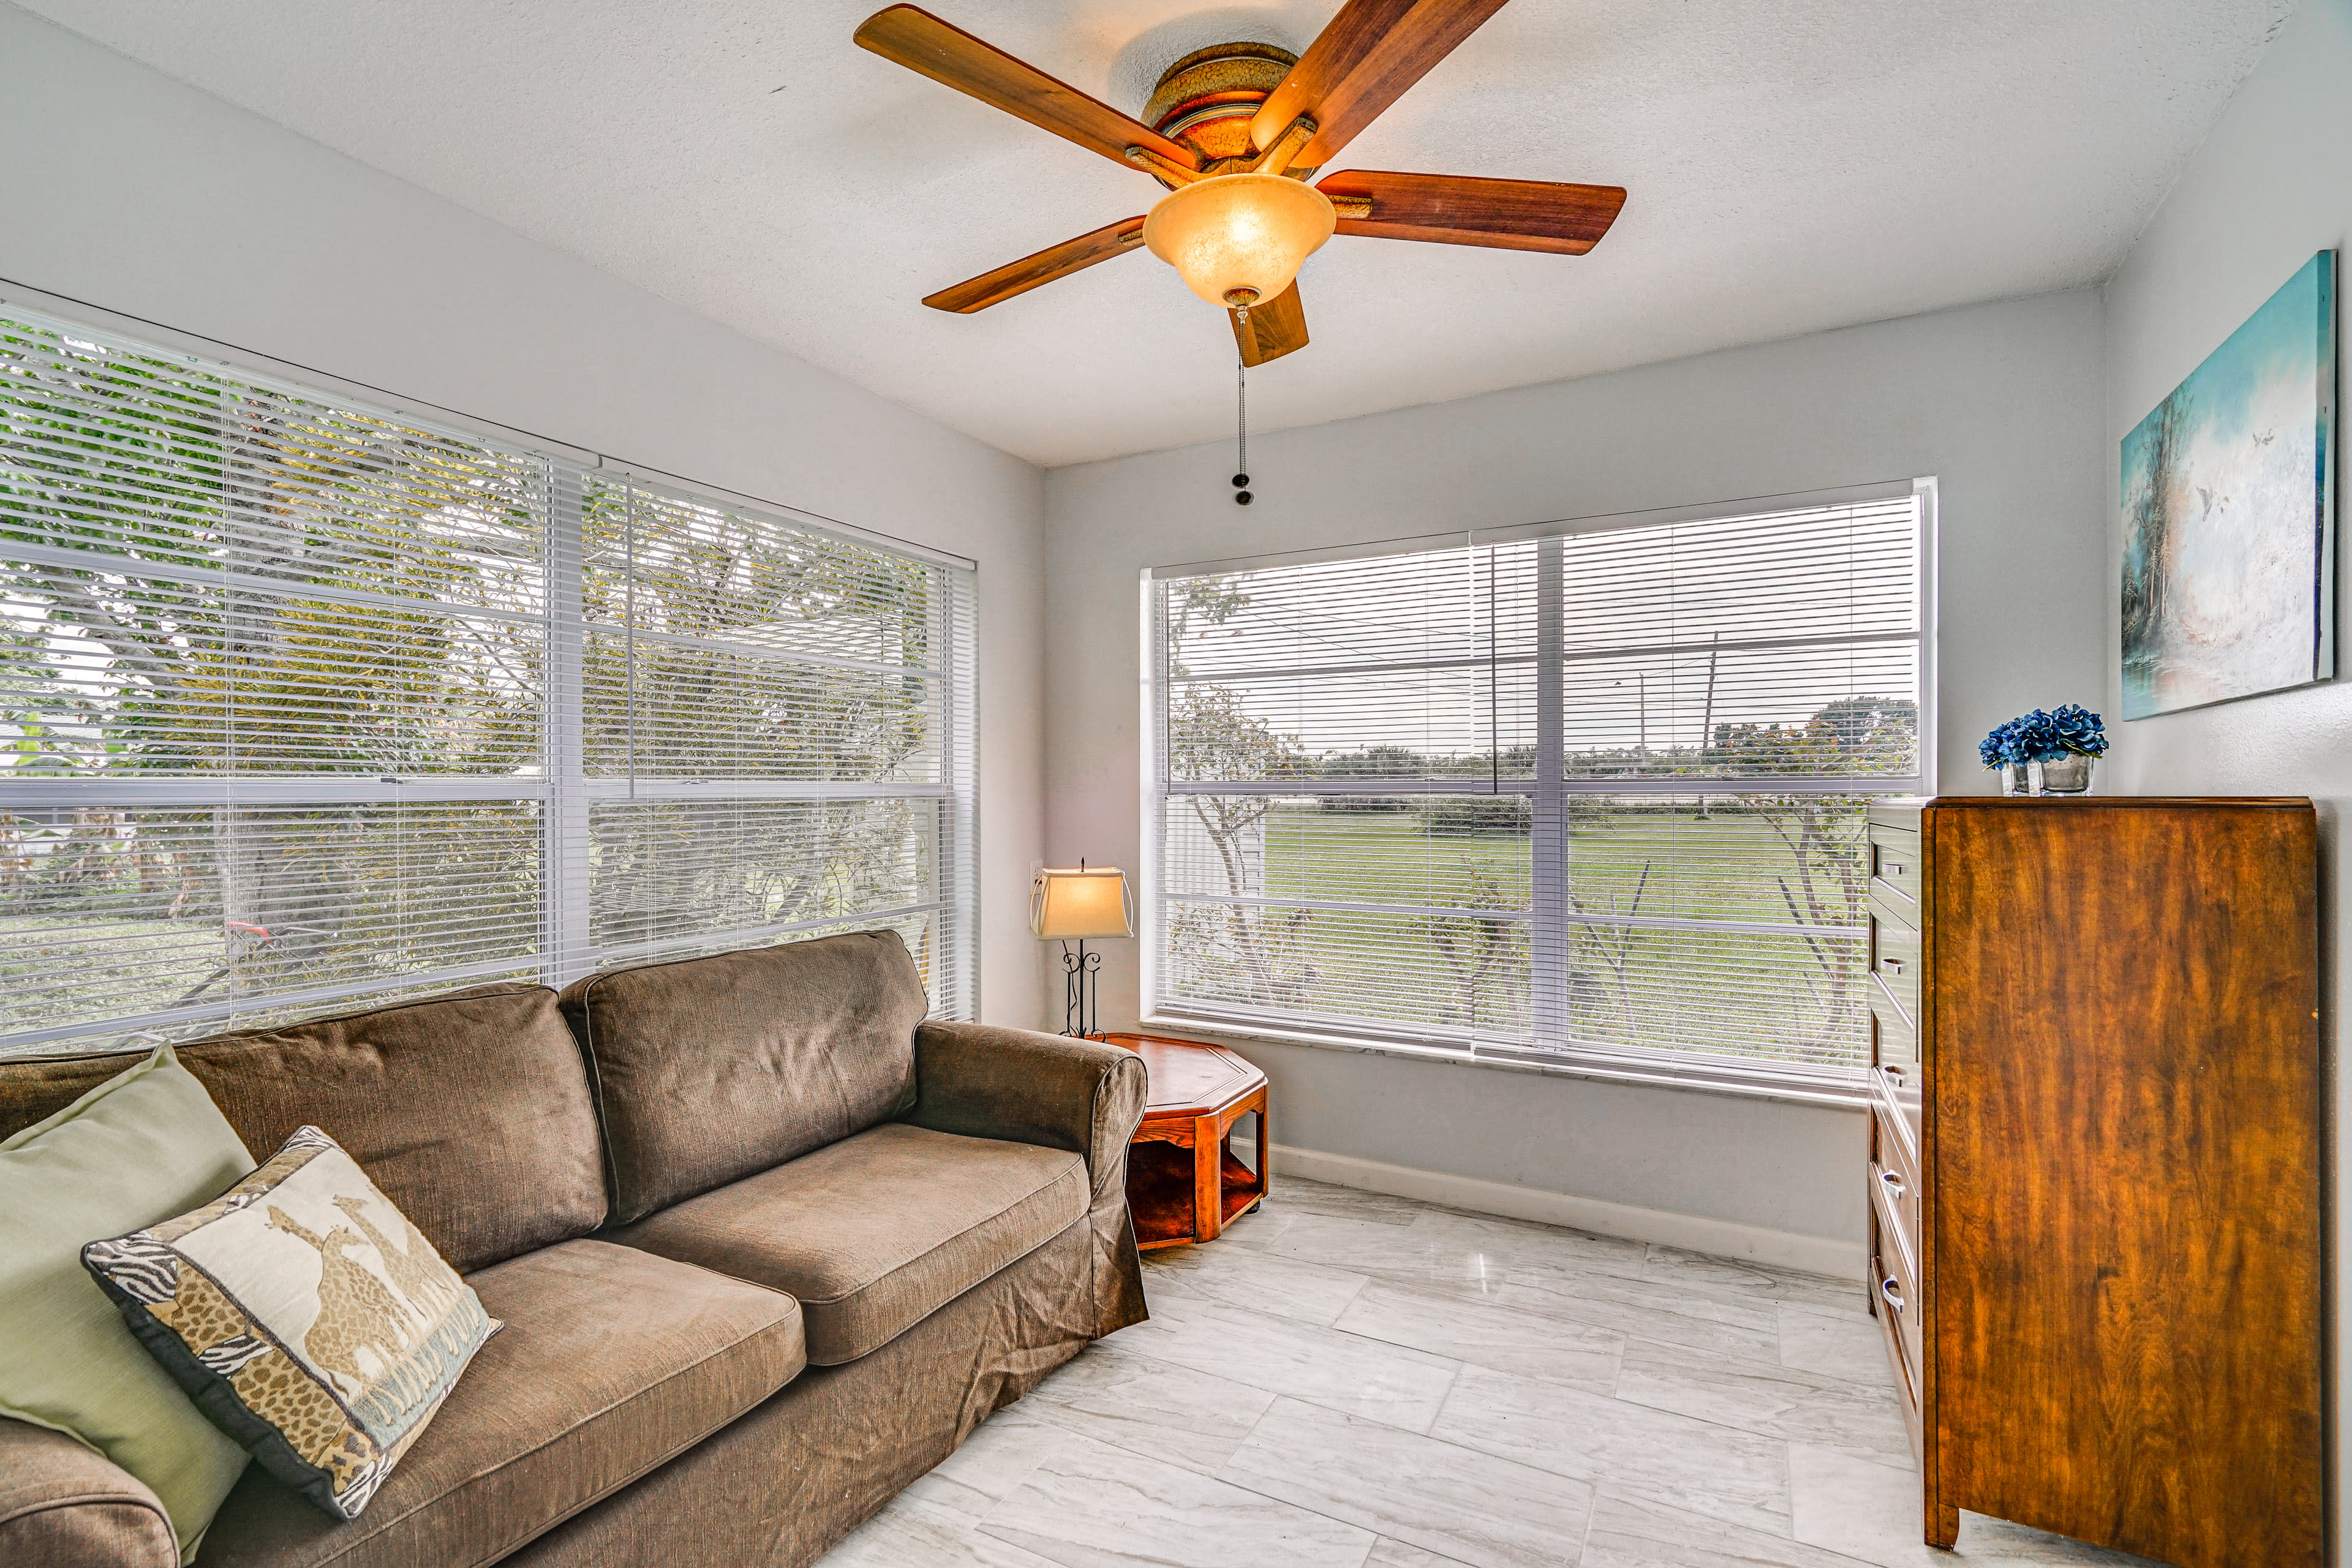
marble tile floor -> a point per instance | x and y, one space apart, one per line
1348 1380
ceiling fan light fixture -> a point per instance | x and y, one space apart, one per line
1239 239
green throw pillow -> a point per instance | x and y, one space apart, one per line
141 1147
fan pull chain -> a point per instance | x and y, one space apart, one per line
1241 474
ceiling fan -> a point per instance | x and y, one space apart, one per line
1237 131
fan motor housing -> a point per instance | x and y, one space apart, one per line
1207 99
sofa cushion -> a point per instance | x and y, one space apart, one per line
875 1232
707 1069
470 1109
610 1362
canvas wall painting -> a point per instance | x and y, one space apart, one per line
2229 514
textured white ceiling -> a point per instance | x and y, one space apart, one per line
1793 164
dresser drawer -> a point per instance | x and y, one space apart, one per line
1894 865
1893 1041
1897 1196
1902 813
1898 1350
1894 1095
1894 963
1897 1283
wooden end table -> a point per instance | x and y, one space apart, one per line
1183 1183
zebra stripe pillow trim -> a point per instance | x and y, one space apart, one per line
304 1315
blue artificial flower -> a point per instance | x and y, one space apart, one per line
2075 730
2044 737
2037 738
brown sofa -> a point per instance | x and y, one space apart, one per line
767 1245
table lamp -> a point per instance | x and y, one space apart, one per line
1071 906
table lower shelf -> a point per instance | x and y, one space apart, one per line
1160 1193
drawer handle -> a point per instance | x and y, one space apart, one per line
1891 965
1893 1292
1895 1185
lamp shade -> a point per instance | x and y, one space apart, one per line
1238 238
1090 901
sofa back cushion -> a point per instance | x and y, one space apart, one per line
471 1110
707 1069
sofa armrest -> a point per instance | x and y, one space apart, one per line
1022 1087
65 1506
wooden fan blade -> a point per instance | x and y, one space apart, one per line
1361 64
921 42
1462 209
1276 329
1054 261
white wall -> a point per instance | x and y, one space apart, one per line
2000 402
143 196
2272 184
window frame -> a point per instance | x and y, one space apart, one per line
1798 1082
564 788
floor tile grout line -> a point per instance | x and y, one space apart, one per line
1475 1455
1229 1375
1726 1359
1453 1381
1488 1305
1768 1305
1649 1248
1584 1542
1377 1535
1455 1361
1469 1360
1734 1427
1605 1494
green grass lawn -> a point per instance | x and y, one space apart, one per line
1629 984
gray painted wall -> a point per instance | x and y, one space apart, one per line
2002 402
161 202
2272 184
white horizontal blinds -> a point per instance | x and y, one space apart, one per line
1360 827
1343 823
302 704
272 677
1781 646
1719 925
1323 674
724 645
951 958
1776 656
767 734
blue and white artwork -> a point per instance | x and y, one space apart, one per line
2229 514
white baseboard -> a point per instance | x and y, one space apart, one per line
1728 1239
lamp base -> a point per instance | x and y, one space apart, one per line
1081 971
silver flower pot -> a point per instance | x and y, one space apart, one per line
2069 774
2014 781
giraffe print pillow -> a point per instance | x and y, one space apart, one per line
304 1315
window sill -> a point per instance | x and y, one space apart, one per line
1731 1081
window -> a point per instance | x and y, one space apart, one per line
304 706
1590 794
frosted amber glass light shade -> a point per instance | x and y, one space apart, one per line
1239 232
1082 903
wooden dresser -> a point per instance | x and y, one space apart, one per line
2095 1166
